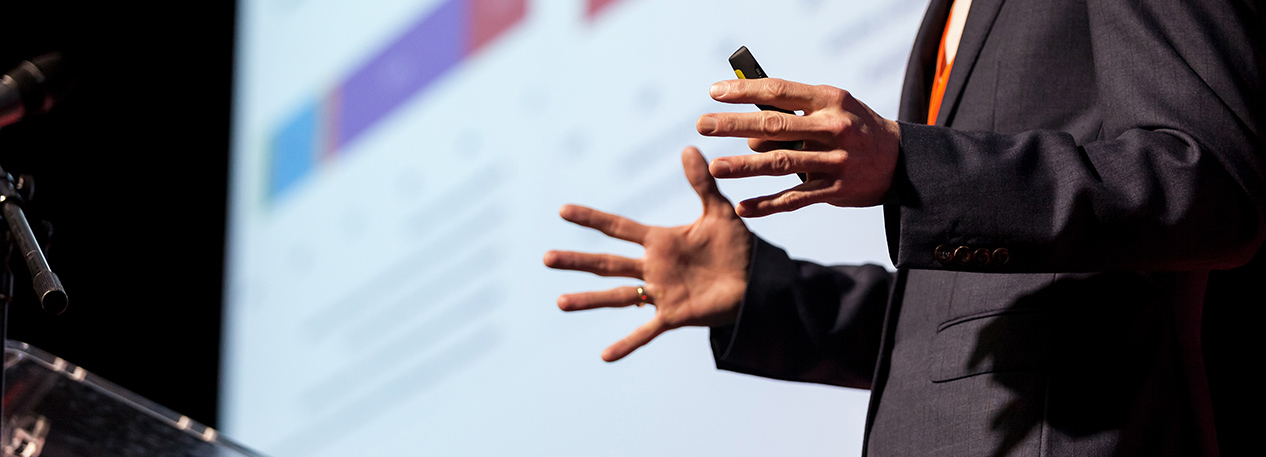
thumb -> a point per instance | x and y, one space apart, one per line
701 179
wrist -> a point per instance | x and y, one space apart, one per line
892 195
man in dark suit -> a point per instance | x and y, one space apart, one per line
1094 171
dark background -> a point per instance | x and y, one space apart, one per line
131 171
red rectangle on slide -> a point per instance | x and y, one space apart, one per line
488 18
596 6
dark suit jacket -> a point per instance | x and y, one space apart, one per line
1112 150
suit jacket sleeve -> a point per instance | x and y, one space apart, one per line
801 321
1174 180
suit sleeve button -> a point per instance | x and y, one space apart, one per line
1001 256
962 255
944 254
981 257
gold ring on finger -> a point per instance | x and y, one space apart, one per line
642 297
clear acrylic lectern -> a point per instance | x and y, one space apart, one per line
54 409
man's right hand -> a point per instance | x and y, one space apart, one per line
694 274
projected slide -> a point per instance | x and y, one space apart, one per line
397 171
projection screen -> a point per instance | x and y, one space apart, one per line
397 170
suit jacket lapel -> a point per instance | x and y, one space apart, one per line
918 83
979 21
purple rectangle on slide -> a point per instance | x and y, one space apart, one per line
424 53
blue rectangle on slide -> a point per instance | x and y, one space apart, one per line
294 149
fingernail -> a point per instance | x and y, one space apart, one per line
720 167
706 125
719 89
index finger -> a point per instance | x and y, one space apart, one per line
771 91
609 224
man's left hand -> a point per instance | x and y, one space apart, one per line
849 153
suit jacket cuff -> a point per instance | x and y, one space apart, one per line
747 345
924 235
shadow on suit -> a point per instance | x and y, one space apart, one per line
1102 354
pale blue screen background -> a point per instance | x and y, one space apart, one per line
397 169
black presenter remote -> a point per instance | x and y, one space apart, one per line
746 67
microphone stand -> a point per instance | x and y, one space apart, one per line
48 289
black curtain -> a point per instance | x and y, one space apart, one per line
131 173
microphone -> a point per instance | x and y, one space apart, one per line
32 88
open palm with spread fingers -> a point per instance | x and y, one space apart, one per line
849 153
694 274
